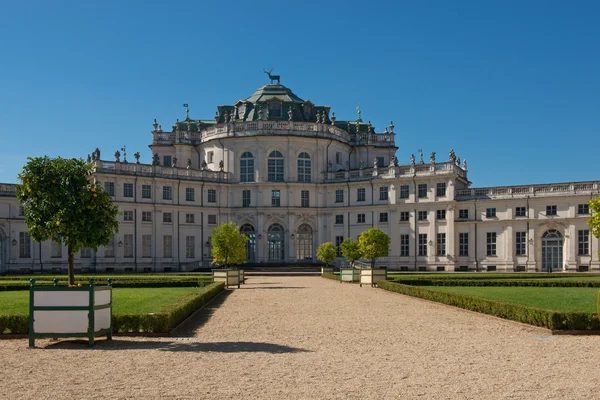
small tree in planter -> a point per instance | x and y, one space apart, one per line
228 245
350 250
373 244
326 253
61 202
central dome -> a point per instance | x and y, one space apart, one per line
268 92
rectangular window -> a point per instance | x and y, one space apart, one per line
383 217
167 161
404 190
304 198
520 212
490 212
212 195
404 216
146 191
491 243
189 218
25 245
86 252
109 188
109 250
583 209
584 242
422 215
146 216
463 214
167 193
361 194
189 194
338 242
190 249
339 219
422 190
275 198
128 246
212 219
441 244
245 198
550 210
360 218
440 190
463 244
56 249
210 157
167 246
339 195
146 246
521 243
127 215
383 193
128 190
338 158
167 217
404 246
422 244
379 162
440 214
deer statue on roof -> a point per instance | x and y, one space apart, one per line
272 77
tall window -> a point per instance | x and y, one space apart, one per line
304 167
146 216
146 246
167 161
360 218
167 246
491 243
404 246
304 247
422 244
404 190
274 109
550 210
379 162
422 190
440 189
210 157
490 212
463 244
404 216
146 191
275 242
339 219
128 215
338 248
190 247
56 249
339 195
584 242
463 214
212 195
109 188
167 193
521 243
128 246
583 209
189 194
245 198
338 158
275 167
520 212
212 219
275 198
383 193
440 214
247 167
422 215
248 230
383 217
109 249
128 190
441 244
167 217
24 245
361 194
189 218
304 198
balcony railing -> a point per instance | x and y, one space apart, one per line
8 189
108 167
400 171
530 190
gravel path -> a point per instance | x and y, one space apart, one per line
308 338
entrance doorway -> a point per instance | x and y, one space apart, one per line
552 251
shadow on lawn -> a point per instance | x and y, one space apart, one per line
181 345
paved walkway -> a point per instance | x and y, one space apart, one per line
313 338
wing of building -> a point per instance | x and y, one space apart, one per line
293 176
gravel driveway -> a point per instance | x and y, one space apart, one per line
313 338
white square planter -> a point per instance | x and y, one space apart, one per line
231 277
349 275
370 276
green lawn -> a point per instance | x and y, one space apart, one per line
485 275
549 298
125 300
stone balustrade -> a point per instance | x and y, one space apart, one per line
8 189
565 189
121 168
400 171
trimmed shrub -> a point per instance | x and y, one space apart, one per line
495 282
335 277
133 283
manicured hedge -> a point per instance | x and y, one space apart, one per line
163 322
335 277
553 320
117 283
487 275
496 282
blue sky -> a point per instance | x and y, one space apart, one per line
511 86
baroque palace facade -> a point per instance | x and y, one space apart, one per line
292 176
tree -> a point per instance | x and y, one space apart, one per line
373 244
326 253
594 219
350 250
61 201
228 245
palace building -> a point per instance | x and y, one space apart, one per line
292 176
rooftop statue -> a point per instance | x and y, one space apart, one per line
464 164
432 157
155 159
117 156
137 157
412 159
452 156
272 77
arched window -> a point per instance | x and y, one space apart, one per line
247 167
248 230
275 167
275 242
304 245
552 251
304 167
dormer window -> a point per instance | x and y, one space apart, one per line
274 109
307 111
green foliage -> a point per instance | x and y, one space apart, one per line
594 219
373 244
61 202
350 250
326 252
554 320
335 277
496 282
228 245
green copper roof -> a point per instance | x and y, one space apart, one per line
271 91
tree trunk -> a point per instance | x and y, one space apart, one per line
71 267
372 263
